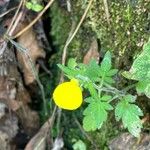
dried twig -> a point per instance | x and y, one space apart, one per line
8 11
16 23
78 26
35 20
9 30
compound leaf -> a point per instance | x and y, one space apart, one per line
92 70
72 63
95 115
106 63
143 87
140 71
129 113
140 68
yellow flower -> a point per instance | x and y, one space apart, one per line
68 95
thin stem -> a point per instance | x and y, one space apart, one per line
129 87
79 24
115 97
35 20
110 90
16 23
100 87
8 11
14 18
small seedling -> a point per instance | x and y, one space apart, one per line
34 5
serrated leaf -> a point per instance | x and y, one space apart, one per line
127 74
112 72
92 70
147 90
67 71
132 122
72 63
89 99
140 71
29 5
141 66
129 113
141 86
106 63
106 98
119 111
109 80
106 106
130 98
37 7
95 115
92 90
79 145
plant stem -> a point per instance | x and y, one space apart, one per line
129 87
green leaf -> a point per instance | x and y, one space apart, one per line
105 69
143 87
67 71
106 106
129 113
112 72
140 69
109 80
72 63
92 70
119 111
127 74
130 98
106 63
37 7
89 99
79 145
92 90
95 115
29 5
106 97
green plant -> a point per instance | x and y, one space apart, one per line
140 71
34 5
78 145
98 80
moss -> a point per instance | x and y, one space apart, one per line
62 21
60 25
126 33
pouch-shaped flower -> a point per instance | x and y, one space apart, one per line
68 95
